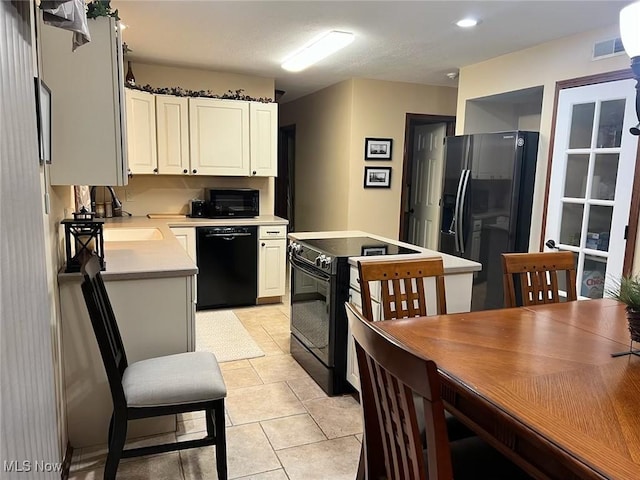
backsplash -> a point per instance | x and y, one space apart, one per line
173 193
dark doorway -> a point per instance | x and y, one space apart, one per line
414 122
284 181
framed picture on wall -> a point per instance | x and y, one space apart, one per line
377 177
377 148
43 115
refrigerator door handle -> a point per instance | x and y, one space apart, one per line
453 228
463 196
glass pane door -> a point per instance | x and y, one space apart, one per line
591 180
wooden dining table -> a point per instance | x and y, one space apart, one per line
539 383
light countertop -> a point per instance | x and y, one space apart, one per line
452 264
128 260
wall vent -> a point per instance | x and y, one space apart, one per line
607 48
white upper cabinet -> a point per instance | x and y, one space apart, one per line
263 120
219 136
88 137
172 126
201 136
141 131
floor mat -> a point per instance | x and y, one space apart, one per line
221 332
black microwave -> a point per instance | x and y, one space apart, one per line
234 203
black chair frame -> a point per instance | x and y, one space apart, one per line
115 362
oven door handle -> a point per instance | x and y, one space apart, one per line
321 276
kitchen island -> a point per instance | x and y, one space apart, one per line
324 275
150 279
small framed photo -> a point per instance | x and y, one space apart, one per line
377 177
376 250
377 148
43 115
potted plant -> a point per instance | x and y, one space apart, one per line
627 291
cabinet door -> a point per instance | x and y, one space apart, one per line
87 105
141 131
172 126
264 138
219 136
271 268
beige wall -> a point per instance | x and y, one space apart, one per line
159 76
331 126
542 65
173 193
321 176
379 110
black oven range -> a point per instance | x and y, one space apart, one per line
319 289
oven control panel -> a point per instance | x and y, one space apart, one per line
311 257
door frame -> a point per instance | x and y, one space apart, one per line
413 120
634 211
284 184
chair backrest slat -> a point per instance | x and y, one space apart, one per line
389 377
105 328
402 286
537 275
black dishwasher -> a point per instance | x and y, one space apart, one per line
227 266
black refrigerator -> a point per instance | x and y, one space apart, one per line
486 204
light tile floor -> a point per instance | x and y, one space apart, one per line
280 424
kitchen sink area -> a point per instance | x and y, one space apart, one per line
132 234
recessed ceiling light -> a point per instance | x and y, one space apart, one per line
467 22
319 48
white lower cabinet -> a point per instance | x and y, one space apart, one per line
272 260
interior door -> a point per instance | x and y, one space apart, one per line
591 180
426 185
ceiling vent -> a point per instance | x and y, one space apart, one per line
607 48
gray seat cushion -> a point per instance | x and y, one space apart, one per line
173 379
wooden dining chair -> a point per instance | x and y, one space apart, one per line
168 385
391 379
536 277
402 286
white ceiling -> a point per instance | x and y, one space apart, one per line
407 41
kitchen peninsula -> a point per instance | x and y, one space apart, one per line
150 277
324 276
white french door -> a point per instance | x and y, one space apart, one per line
591 184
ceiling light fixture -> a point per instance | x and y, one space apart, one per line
630 35
319 48
467 22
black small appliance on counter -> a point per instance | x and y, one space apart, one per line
234 203
198 209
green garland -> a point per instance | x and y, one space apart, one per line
101 8
181 92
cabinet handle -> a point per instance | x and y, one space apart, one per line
195 171
263 244
254 172
185 171
155 170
